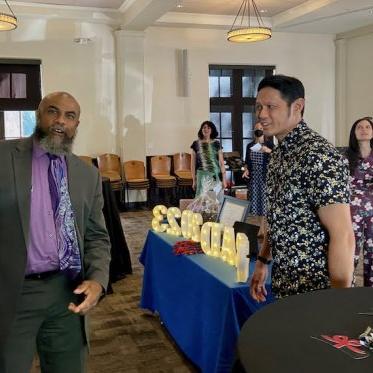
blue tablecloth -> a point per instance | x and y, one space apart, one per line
198 300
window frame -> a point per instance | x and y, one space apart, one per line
237 101
32 69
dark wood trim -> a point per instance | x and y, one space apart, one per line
33 87
2 126
19 61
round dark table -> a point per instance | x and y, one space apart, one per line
120 264
278 338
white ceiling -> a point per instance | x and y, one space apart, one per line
109 4
230 7
316 16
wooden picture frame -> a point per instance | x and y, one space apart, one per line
232 210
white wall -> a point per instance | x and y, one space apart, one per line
172 122
86 71
167 122
359 77
354 79
359 82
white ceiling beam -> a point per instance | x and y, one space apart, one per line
44 11
196 20
140 14
314 11
303 10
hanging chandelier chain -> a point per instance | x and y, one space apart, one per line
6 2
239 11
257 14
245 10
248 13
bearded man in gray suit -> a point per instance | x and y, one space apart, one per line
54 247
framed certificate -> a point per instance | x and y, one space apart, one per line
232 210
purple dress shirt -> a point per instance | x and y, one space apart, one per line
42 254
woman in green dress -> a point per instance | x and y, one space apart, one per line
207 159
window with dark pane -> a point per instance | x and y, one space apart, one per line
20 94
232 100
5 85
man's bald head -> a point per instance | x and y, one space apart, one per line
59 95
57 120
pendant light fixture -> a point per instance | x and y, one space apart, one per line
8 21
242 31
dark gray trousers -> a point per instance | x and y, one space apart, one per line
44 324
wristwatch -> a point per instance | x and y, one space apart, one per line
263 260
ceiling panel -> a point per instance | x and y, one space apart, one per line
108 4
269 8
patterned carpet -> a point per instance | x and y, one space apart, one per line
124 337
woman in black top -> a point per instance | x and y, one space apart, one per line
207 159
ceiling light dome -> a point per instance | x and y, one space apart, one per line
7 21
245 33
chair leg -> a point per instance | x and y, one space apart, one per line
148 204
128 195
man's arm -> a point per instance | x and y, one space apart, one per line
257 286
96 256
336 218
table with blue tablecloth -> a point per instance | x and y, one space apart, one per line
198 300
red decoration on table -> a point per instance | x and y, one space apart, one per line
341 341
187 247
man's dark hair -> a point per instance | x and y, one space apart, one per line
290 88
214 131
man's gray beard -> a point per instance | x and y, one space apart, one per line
48 143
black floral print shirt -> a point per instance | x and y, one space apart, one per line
305 173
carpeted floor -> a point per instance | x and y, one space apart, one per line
124 337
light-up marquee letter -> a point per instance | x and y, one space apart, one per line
216 238
228 248
205 238
159 212
243 250
187 224
197 221
172 214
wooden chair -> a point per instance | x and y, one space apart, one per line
182 171
161 175
86 159
109 166
134 177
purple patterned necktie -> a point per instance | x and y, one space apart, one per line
67 242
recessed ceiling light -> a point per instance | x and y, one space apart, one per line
370 12
263 10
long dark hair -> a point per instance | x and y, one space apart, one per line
353 151
214 131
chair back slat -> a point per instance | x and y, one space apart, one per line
182 162
109 162
160 165
134 170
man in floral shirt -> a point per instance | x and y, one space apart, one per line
309 235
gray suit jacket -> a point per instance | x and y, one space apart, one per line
15 189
